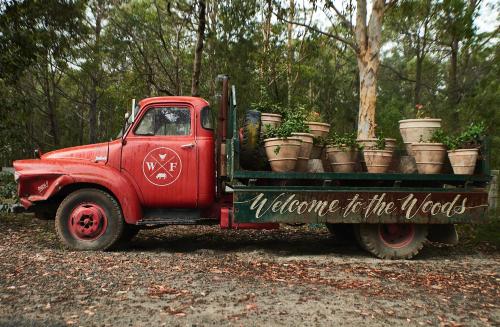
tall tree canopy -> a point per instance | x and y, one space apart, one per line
69 68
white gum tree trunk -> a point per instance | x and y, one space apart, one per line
368 41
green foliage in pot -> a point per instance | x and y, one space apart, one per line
470 138
380 143
314 116
294 123
310 114
439 136
346 141
266 106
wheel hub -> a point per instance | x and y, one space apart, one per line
88 221
397 235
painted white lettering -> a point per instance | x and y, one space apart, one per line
302 207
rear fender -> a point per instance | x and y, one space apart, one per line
41 180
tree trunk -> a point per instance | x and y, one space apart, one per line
289 77
93 112
266 36
368 69
51 103
198 54
453 93
369 41
95 74
418 79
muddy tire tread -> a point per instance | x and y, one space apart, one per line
368 243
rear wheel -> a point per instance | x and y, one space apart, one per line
392 241
89 219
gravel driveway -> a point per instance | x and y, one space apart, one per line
203 276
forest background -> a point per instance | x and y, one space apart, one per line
69 68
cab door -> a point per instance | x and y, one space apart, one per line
160 155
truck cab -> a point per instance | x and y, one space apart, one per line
160 171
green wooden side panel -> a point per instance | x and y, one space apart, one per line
260 205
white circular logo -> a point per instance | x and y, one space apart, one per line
162 166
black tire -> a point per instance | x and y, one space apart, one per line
376 239
252 152
342 232
83 209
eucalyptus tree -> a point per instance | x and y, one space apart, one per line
365 38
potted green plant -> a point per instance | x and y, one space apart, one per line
378 159
282 148
301 130
463 149
316 124
342 152
422 127
430 156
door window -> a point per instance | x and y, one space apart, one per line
165 121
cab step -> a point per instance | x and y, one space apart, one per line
167 216
176 221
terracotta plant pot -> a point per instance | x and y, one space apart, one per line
319 129
305 150
429 157
342 160
282 153
463 161
377 161
269 119
390 144
417 130
367 143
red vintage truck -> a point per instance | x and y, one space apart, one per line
170 166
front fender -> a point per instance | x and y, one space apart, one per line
42 179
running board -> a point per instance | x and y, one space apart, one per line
176 221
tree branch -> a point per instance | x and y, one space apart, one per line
347 23
317 30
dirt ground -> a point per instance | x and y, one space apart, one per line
203 276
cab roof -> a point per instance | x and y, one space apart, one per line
194 101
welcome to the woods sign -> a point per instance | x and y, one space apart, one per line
433 207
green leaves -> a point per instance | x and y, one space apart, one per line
346 140
470 138
293 123
380 143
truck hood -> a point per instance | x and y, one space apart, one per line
92 152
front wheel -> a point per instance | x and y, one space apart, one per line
89 219
392 241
